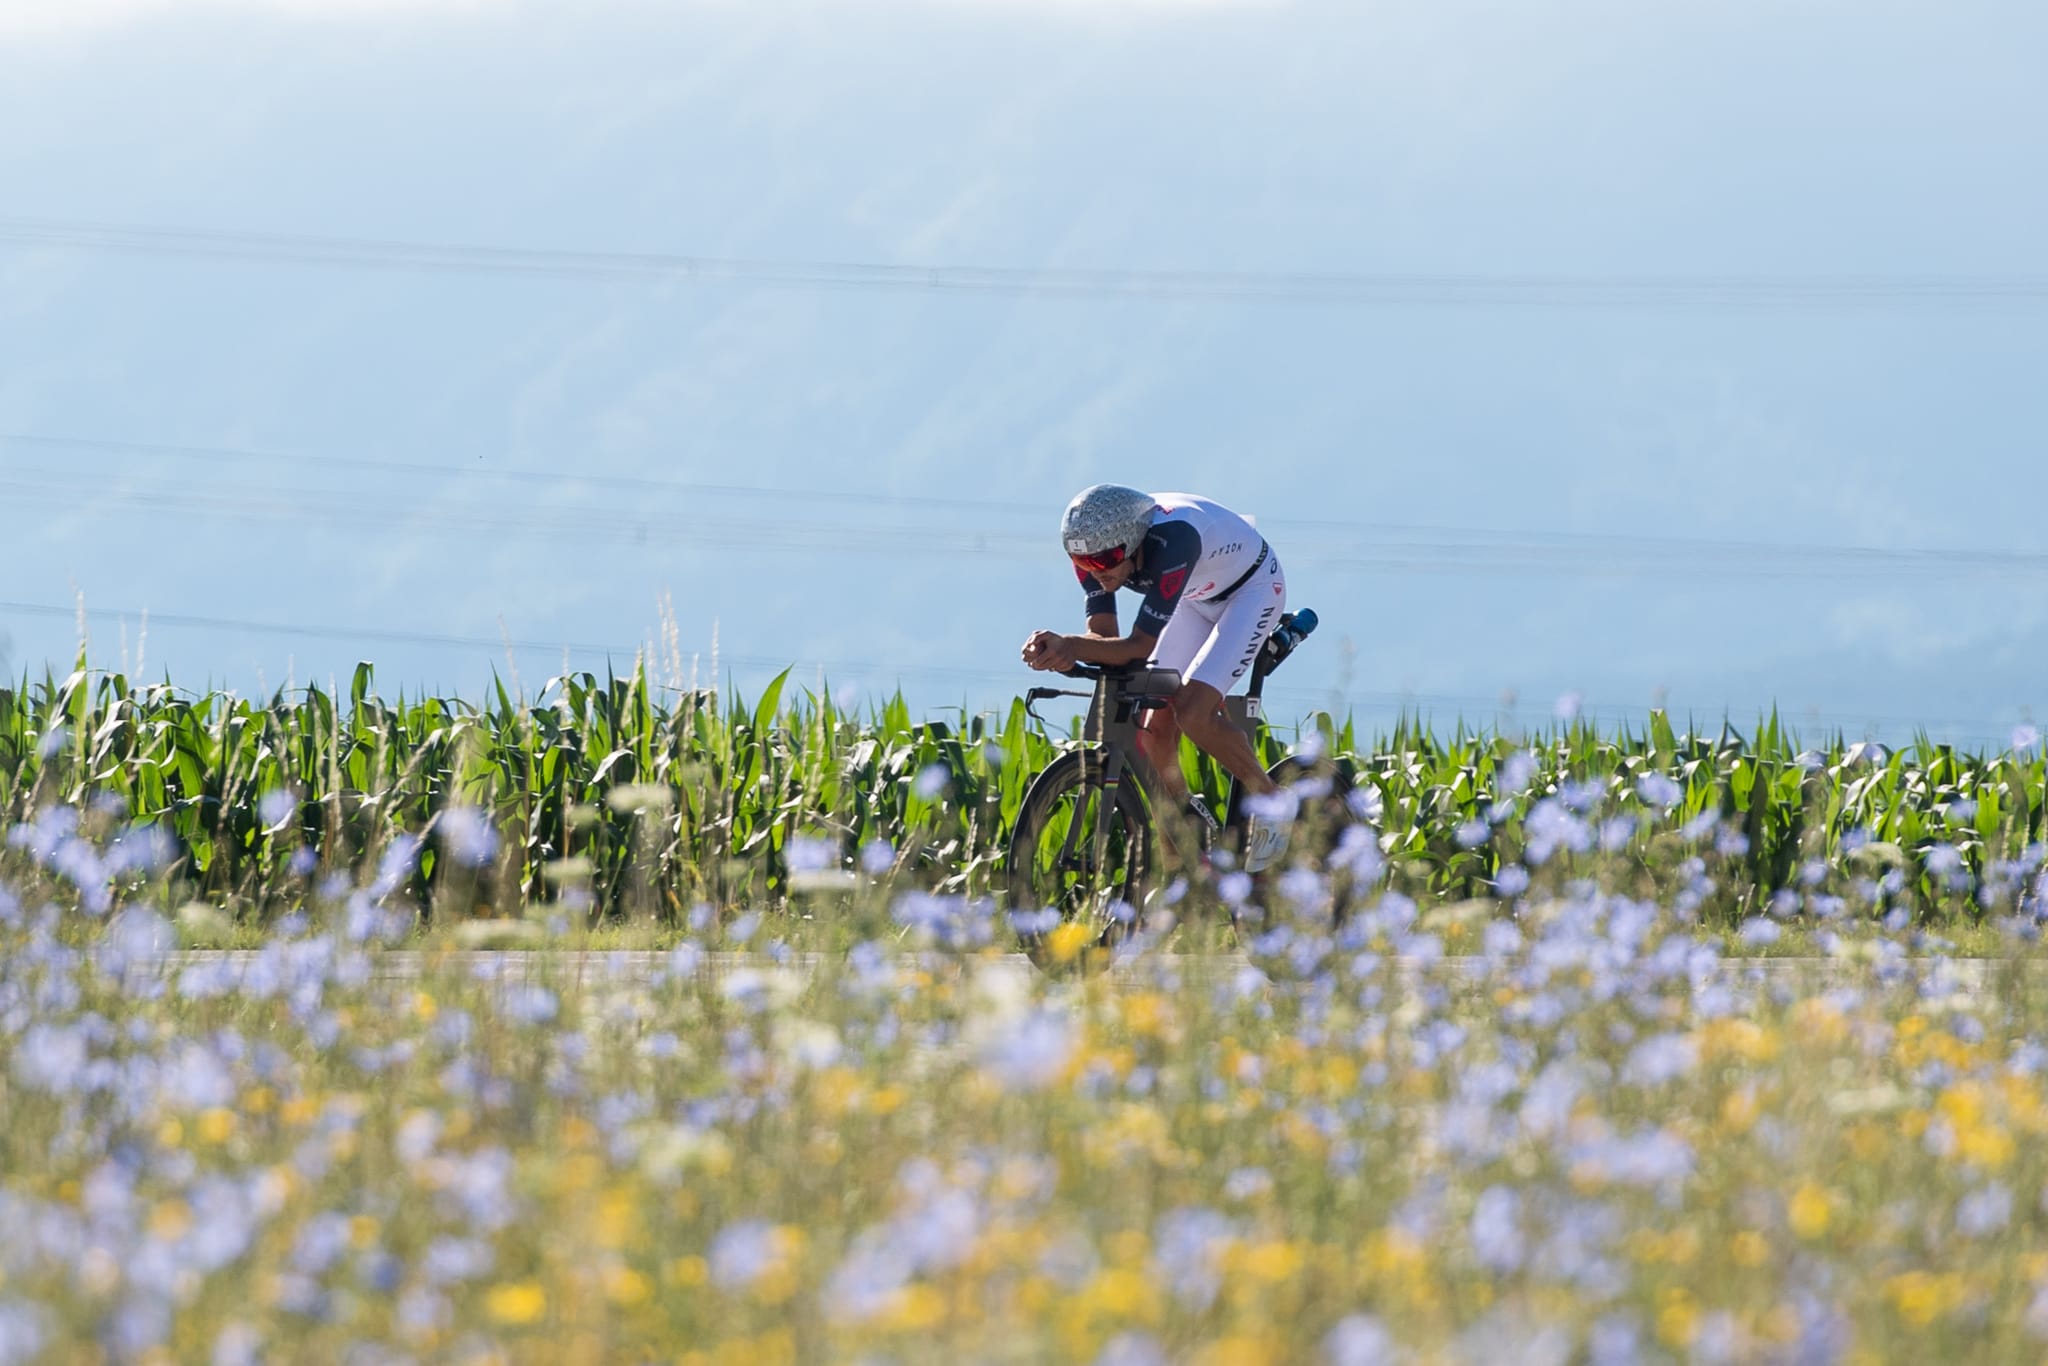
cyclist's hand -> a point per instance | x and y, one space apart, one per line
1047 650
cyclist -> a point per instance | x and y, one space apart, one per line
1213 591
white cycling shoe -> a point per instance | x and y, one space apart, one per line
1265 840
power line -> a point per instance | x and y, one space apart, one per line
1338 289
1370 549
1394 546
554 478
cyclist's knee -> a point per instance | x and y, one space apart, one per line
1159 727
1196 703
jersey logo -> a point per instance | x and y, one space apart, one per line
1170 582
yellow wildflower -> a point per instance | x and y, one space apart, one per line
1808 1211
626 1287
915 1309
1236 1351
516 1302
1678 1319
1272 1262
1066 942
837 1090
1122 1294
1146 1014
1921 1297
618 1219
1731 1037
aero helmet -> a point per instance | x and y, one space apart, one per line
1105 523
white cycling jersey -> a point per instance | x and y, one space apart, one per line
1213 590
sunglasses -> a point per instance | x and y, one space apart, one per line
1101 560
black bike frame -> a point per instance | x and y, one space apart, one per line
1110 739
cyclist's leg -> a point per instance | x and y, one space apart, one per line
1187 631
1224 659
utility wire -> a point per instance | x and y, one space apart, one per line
566 476
1386 534
1330 289
1366 548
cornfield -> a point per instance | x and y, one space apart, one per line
616 797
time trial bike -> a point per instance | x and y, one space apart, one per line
1085 845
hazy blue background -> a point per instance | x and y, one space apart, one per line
1443 483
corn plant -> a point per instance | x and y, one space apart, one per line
612 796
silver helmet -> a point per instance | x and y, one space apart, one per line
1105 517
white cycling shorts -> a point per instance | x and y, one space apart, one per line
1216 642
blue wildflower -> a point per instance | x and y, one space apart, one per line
1496 1230
742 1253
1659 790
1360 1340
276 806
468 835
932 780
1188 1246
1133 1349
1031 1052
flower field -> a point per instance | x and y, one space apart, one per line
1544 1097
1585 1135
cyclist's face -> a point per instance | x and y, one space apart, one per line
1118 574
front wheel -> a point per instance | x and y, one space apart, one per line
1056 874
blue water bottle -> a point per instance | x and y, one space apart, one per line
1290 634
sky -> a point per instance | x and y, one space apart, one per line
1686 354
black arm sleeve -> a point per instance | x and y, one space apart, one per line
1100 600
1171 553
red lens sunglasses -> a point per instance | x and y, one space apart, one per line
1101 560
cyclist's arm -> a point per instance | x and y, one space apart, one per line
1094 649
1100 606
